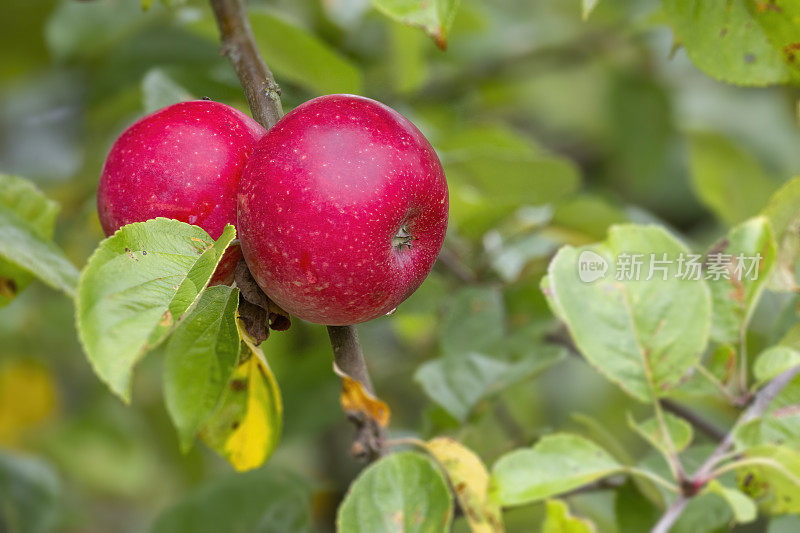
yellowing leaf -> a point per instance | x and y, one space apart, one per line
470 480
246 426
356 399
27 398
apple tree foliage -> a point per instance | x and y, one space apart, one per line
520 220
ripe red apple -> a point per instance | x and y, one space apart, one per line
182 162
342 210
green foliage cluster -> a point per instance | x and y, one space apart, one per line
527 396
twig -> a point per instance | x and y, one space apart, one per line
761 401
671 515
371 437
694 419
263 97
239 46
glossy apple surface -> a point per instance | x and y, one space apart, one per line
342 210
182 162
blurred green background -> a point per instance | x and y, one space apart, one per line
550 128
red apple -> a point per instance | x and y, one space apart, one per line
182 162
342 210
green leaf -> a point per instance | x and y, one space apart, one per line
246 426
81 30
774 361
262 501
724 40
781 426
24 250
298 56
477 158
556 464
680 432
459 382
587 6
559 520
727 179
146 4
434 16
159 91
294 53
778 19
470 310
749 249
408 64
642 334
401 492
26 201
136 286
784 214
774 483
744 509
784 524
26 207
635 513
201 356
30 495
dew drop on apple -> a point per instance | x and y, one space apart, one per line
393 311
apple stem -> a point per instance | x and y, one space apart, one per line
264 98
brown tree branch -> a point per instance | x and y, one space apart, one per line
698 421
263 97
239 46
370 438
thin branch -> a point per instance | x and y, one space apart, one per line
671 515
263 96
239 46
370 441
761 401
696 420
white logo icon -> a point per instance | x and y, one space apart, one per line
591 266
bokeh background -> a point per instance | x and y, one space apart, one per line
550 129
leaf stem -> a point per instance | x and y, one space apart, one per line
635 471
717 383
760 461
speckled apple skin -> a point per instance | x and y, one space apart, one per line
322 197
182 162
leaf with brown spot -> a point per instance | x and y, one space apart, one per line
246 427
470 480
735 298
125 308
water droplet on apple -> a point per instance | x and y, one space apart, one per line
393 311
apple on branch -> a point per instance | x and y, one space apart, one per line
182 162
342 210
